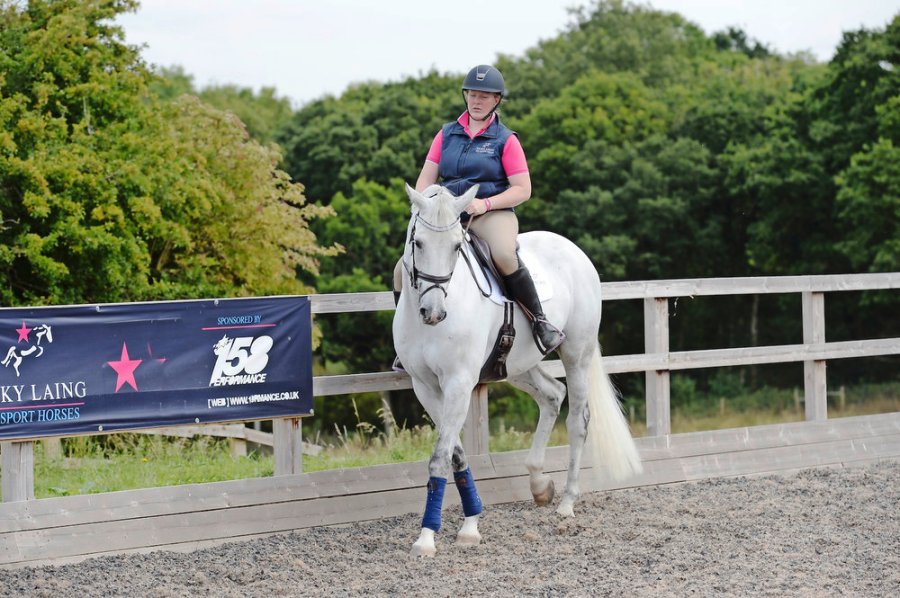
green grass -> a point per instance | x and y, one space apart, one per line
367 446
127 461
728 418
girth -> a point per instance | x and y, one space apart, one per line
495 367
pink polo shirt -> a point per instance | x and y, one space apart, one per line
513 157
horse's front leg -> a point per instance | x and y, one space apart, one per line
468 534
448 454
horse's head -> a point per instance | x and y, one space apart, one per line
433 241
43 331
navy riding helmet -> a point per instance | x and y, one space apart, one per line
486 78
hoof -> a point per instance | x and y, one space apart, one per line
422 550
424 546
544 497
566 508
468 539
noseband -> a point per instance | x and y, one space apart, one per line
415 275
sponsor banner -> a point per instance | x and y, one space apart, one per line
101 368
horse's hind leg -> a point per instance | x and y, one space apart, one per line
577 381
549 394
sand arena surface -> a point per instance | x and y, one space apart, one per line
820 532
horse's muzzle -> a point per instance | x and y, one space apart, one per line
433 318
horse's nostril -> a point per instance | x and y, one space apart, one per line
422 312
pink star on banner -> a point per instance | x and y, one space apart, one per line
125 369
23 333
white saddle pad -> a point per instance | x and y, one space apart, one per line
487 280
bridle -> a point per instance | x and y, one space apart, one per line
416 275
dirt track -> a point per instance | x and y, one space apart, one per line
825 532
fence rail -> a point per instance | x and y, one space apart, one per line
674 458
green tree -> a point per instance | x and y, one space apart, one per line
734 39
610 36
773 187
564 136
108 195
861 77
373 131
370 224
869 198
263 113
172 82
860 106
661 151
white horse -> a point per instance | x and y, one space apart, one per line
444 329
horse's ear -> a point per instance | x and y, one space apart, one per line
415 197
465 199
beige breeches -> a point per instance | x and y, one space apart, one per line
500 229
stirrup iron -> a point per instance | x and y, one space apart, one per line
549 328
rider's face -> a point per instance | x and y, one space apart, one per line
480 103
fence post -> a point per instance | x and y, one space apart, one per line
656 340
814 385
52 447
287 441
18 470
476 434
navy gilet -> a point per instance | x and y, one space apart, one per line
466 161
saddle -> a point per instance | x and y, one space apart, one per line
478 258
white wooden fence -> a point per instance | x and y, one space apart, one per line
191 516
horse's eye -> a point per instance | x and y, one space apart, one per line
458 245
418 244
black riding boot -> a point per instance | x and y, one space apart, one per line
397 366
521 288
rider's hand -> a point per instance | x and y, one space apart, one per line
477 207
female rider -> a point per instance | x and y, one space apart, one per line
478 149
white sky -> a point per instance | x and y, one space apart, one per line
306 49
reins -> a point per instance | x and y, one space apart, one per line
468 261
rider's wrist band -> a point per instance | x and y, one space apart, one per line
487 202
